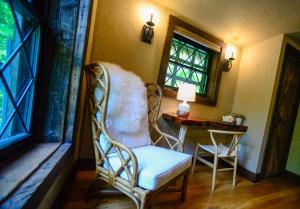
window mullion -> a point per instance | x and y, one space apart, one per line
12 56
12 99
7 122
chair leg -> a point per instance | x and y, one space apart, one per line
214 172
234 170
184 187
195 158
145 203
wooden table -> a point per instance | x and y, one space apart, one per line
202 123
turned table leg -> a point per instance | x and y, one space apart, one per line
182 133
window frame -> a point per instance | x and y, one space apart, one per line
25 139
194 44
214 77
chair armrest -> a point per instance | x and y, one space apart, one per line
128 160
173 142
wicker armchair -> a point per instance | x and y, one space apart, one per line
125 168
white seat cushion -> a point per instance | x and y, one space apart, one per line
156 165
223 150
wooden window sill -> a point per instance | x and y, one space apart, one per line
24 181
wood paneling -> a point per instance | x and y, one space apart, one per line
276 193
284 115
63 41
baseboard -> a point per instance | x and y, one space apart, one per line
254 177
295 177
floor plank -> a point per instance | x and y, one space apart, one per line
276 193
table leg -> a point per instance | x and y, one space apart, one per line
182 132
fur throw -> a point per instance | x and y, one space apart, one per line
127 113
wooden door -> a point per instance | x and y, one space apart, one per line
284 115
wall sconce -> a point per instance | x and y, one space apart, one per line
148 31
229 57
228 64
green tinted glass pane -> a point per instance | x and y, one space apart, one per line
26 107
194 77
173 49
168 81
17 74
32 47
184 53
25 19
170 69
198 89
188 63
178 82
9 36
15 127
180 74
6 107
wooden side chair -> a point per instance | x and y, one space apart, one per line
227 153
142 172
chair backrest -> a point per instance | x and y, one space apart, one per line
154 95
98 78
237 135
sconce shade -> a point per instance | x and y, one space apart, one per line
186 92
147 34
229 57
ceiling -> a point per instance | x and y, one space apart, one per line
242 22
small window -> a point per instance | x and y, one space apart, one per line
189 62
19 47
191 56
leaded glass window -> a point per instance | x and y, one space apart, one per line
189 62
19 47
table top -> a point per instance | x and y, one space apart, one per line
203 123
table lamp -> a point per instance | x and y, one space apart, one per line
186 93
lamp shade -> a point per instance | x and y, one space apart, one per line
186 92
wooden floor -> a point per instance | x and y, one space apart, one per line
277 193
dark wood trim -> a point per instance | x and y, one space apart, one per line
8 153
78 60
65 189
213 82
86 164
33 190
60 159
290 175
245 173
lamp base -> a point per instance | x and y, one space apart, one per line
183 109
182 114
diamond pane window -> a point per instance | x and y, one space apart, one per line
189 62
19 47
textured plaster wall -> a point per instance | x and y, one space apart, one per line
253 97
116 38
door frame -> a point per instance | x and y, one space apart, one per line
288 48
